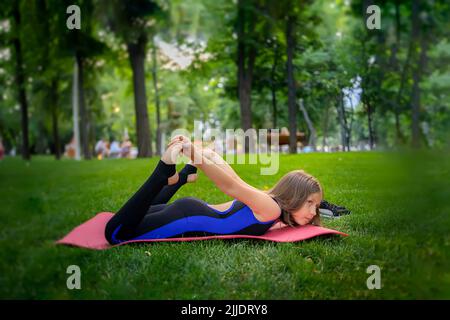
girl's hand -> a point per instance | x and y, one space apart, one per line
172 152
177 138
278 225
188 148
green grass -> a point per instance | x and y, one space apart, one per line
400 221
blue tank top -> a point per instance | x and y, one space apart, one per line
245 209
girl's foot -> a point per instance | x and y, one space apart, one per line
170 157
173 179
192 177
189 173
172 152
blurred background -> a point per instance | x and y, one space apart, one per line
137 70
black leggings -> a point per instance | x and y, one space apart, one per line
152 196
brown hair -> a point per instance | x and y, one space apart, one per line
291 192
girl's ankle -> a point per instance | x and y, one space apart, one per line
173 179
169 171
188 173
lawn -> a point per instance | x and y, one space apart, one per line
400 221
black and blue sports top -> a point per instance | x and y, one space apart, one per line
190 217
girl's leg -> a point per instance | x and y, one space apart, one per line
168 191
123 224
160 201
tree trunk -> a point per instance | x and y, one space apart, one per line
54 103
419 41
398 102
291 85
76 110
325 128
273 88
136 53
341 116
20 81
246 60
157 104
396 44
365 97
370 124
274 107
84 123
349 125
395 65
312 131
343 121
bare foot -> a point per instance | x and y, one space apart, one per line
189 172
193 176
173 179
170 157
172 152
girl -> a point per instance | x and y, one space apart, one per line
294 200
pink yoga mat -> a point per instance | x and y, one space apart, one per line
90 234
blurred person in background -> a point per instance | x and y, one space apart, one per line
102 149
115 150
126 148
69 149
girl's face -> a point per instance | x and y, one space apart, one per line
309 209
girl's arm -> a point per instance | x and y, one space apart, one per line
219 175
219 161
258 201
208 154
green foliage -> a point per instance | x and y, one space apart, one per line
336 59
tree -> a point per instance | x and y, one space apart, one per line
246 54
83 47
17 25
130 21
